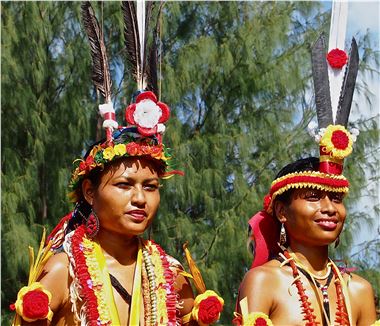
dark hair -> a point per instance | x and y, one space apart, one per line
303 164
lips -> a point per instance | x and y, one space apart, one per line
328 224
137 215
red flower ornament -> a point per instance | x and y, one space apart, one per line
337 58
340 139
33 303
36 305
261 322
133 149
147 114
207 308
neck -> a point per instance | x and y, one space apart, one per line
313 258
120 247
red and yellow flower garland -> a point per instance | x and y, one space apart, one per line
88 275
164 279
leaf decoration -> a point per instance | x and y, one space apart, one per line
321 83
348 86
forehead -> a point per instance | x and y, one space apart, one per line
304 191
131 167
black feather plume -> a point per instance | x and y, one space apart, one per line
151 70
348 86
131 39
100 70
321 83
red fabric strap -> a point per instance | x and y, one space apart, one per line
109 116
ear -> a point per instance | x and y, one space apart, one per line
280 210
88 191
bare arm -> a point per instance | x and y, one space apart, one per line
55 279
186 295
255 287
362 296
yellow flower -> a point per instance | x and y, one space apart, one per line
108 153
337 142
120 149
253 317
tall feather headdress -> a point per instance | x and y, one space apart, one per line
142 52
100 69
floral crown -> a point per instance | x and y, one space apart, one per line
143 137
335 141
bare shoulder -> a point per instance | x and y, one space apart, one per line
256 283
358 285
267 273
59 263
362 300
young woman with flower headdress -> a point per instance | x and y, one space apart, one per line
94 268
292 280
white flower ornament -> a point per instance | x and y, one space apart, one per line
147 114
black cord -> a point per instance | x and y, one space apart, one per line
326 303
120 289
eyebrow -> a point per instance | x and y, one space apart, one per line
134 179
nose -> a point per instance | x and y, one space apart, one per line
327 206
138 197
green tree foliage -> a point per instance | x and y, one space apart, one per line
45 121
237 76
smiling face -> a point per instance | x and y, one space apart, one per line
312 217
127 196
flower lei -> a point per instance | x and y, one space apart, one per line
161 296
158 270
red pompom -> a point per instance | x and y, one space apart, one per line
209 310
12 307
261 322
35 305
337 58
340 139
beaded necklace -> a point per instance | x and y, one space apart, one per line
95 289
341 311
